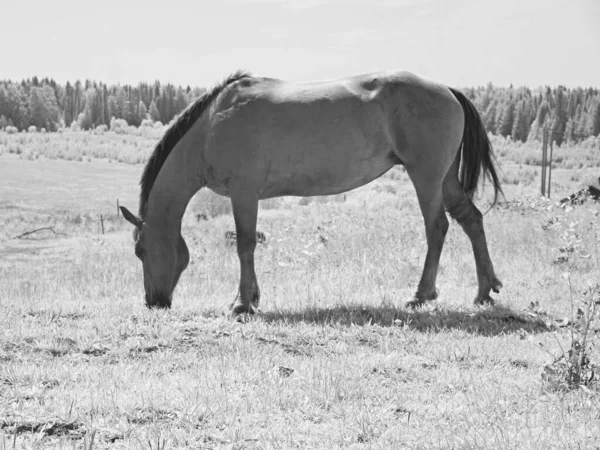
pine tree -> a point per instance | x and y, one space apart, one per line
122 111
489 118
4 109
594 120
181 100
78 100
142 112
542 113
67 104
154 114
133 109
86 119
499 113
508 119
113 108
520 126
570 131
560 116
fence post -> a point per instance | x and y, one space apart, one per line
550 167
118 209
544 153
102 223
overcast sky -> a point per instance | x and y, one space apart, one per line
196 42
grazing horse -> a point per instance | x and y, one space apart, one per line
253 138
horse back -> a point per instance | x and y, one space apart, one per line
325 136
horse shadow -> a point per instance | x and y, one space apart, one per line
483 321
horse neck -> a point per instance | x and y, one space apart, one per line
175 185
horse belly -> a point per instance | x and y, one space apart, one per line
308 168
321 182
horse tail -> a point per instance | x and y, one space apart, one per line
477 153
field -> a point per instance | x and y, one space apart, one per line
333 359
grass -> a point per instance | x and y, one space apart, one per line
566 156
81 146
333 360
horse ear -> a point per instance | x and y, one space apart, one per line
131 218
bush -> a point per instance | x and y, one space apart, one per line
11 130
591 143
32 129
118 126
208 204
100 129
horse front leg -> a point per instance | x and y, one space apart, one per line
245 210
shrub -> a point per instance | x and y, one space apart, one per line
207 203
100 129
32 129
118 126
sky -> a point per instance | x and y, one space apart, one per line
457 42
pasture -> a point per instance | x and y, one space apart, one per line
333 359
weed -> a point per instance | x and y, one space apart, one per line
88 440
574 368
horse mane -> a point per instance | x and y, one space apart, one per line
174 133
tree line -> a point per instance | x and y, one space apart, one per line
44 103
572 115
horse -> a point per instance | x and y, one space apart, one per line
251 138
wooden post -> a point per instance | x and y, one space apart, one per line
550 167
102 223
118 210
544 152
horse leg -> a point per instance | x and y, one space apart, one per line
245 210
462 209
436 225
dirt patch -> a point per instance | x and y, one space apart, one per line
49 428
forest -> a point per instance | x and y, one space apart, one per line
45 104
571 114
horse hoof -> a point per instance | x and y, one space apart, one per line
238 309
415 303
420 299
485 300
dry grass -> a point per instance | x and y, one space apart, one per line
332 360
568 156
81 146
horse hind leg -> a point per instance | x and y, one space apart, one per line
462 209
245 210
436 225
